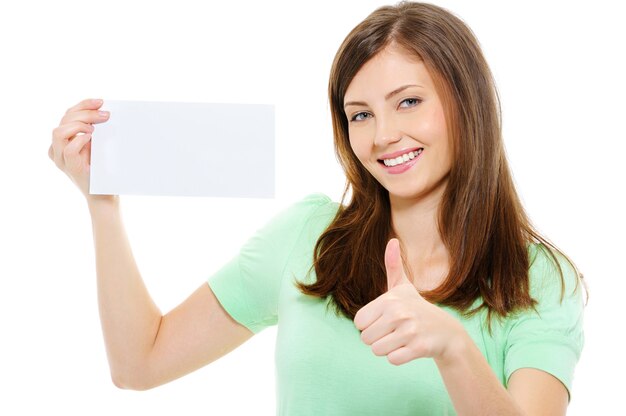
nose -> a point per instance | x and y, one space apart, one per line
387 132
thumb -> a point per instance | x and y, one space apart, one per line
393 265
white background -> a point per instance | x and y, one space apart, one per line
559 70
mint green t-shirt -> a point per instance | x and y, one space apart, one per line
323 367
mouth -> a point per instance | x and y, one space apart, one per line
401 159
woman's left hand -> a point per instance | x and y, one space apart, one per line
402 325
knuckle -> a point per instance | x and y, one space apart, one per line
59 162
377 350
419 349
396 311
82 125
412 328
357 321
404 315
68 151
77 126
55 152
392 303
59 133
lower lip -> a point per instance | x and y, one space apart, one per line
403 167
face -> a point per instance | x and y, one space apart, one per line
397 126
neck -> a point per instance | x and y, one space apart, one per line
414 223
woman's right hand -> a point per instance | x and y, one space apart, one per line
71 141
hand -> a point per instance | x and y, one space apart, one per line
401 324
71 141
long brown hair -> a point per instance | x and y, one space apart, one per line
481 219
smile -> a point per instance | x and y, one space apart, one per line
402 158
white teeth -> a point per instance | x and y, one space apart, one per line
402 159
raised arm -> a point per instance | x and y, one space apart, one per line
144 347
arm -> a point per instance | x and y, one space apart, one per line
475 390
130 319
402 325
144 347
538 392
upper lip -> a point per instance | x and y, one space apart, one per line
398 153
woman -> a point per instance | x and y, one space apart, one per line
446 299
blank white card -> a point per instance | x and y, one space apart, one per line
184 149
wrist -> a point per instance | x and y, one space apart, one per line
102 202
456 350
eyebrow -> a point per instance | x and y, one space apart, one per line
388 96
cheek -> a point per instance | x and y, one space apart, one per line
440 132
358 146
441 128
432 129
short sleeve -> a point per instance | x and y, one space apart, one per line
552 338
248 286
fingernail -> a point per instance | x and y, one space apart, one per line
97 101
103 114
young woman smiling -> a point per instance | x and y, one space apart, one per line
430 261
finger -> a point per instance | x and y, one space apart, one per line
66 131
401 356
388 344
59 148
61 136
367 315
87 151
71 154
377 330
393 265
86 116
89 104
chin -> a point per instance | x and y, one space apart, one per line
395 193
417 192
412 193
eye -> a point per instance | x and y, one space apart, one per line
411 102
359 116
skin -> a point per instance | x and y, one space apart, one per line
146 348
411 118
401 324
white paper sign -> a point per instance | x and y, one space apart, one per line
184 149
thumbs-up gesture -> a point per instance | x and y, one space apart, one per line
401 324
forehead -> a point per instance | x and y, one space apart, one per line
388 69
